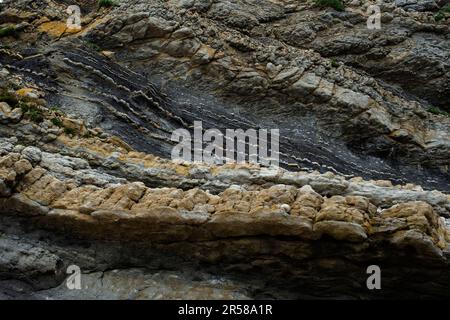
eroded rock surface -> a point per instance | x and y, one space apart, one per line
85 125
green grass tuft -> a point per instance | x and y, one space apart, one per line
435 110
33 113
106 3
57 122
334 63
69 131
442 13
93 46
335 4
9 98
7 31
56 111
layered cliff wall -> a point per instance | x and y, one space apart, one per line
85 140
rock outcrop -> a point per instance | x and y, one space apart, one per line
86 118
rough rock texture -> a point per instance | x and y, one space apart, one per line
85 125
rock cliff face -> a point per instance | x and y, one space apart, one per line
86 178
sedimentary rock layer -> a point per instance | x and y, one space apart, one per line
86 118
207 214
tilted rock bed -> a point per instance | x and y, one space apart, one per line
249 217
140 226
376 119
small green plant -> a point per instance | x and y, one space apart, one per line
435 110
7 31
106 3
35 114
442 13
93 46
57 122
9 98
334 63
439 16
56 111
31 112
69 131
24 106
335 4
